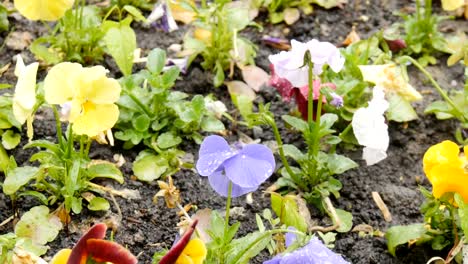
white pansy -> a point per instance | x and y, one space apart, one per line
25 90
289 64
370 128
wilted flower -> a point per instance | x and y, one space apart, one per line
180 13
314 252
287 91
396 45
48 10
162 17
170 193
290 64
25 92
370 129
89 94
246 167
447 169
218 108
389 77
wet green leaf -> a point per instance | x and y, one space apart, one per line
150 167
168 140
98 204
399 235
121 43
18 177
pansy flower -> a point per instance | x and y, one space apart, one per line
290 64
245 166
370 128
87 95
24 98
49 10
161 17
288 91
314 252
447 169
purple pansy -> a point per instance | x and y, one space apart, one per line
161 17
246 167
315 252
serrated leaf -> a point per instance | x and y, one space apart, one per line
399 235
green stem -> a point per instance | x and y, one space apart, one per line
4 159
316 139
310 96
226 221
81 146
88 146
297 180
441 91
58 126
70 141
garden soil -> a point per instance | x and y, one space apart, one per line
146 227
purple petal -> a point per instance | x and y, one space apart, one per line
220 183
251 167
275 260
214 150
290 237
314 252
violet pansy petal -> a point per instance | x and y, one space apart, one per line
214 150
275 260
251 167
290 237
314 252
220 183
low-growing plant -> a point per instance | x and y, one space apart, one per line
152 114
217 40
422 35
445 210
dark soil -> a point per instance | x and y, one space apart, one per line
146 227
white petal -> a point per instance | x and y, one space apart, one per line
373 156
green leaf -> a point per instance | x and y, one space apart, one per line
168 140
218 79
212 124
287 210
156 61
170 76
43 52
105 170
150 167
76 204
295 122
241 250
141 123
18 177
121 43
338 164
346 220
327 120
400 110
293 152
10 139
5 86
237 18
398 235
98 204
462 213
44 144
38 225
135 12
4 24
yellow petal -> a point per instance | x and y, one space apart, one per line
25 90
450 5
98 88
49 10
61 257
95 118
181 14
202 35
60 84
390 78
194 253
446 178
445 152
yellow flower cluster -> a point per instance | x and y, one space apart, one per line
87 97
48 10
447 169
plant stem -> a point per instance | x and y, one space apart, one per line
310 96
279 141
226 221
140 104
441 91
58 126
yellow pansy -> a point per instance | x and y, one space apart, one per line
88 95
61 257
447 169
25 93
203 35
193 253
390 78
450 5
181 14
48 10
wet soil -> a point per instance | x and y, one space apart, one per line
146 227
